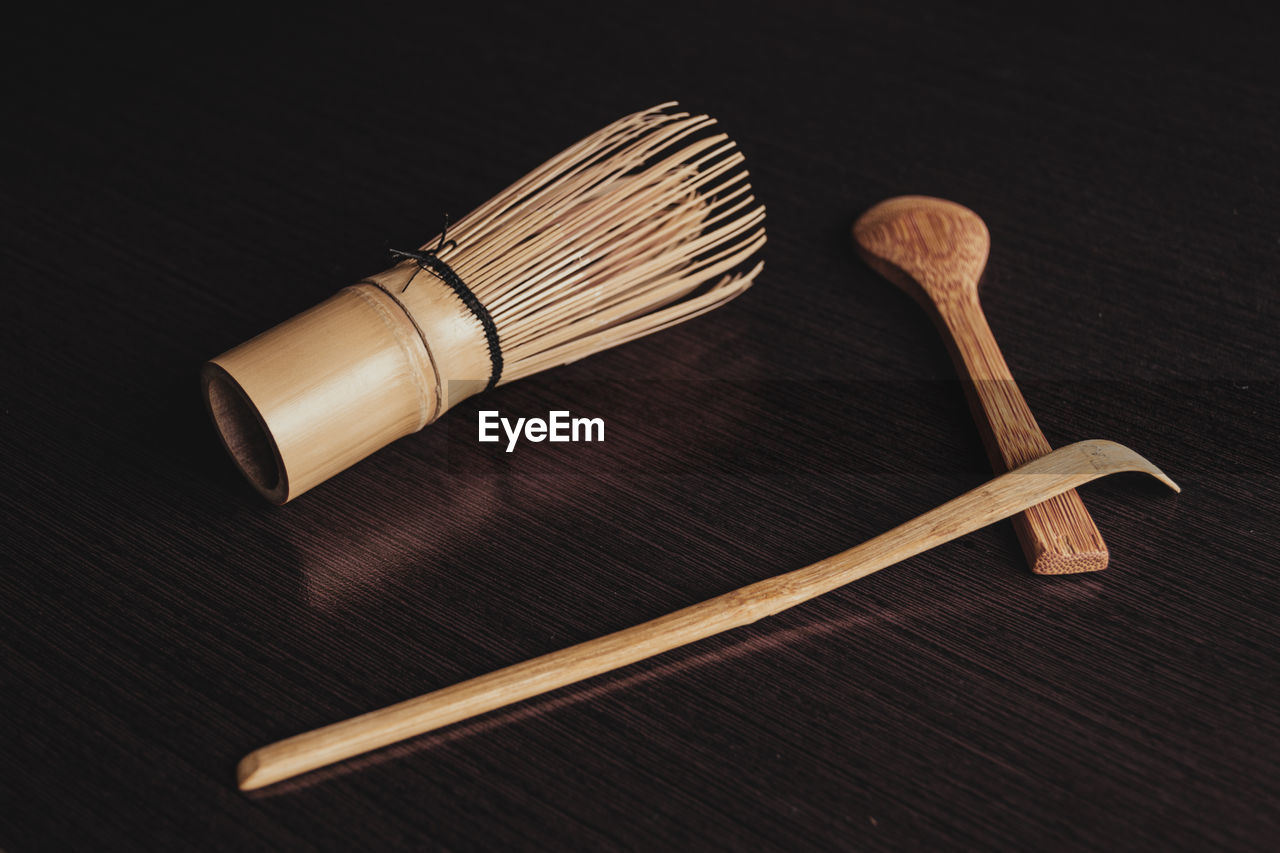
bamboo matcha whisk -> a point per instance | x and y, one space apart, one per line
640 226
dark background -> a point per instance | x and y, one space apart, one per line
176 181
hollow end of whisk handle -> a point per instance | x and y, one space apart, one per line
319 392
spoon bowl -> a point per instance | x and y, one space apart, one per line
929 247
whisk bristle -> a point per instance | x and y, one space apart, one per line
638 227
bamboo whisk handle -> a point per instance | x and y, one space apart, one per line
1058 536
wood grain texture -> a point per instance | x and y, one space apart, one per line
936 250
175 184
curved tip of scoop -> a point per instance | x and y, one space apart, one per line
1113 456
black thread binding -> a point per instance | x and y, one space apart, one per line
428 259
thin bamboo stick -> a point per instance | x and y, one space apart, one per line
1057 472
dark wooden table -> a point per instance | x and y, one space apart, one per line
177 181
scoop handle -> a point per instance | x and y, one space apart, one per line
1057 536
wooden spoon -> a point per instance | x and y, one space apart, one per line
936 250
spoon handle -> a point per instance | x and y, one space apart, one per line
1058 536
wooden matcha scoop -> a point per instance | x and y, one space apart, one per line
1061 469
935 250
